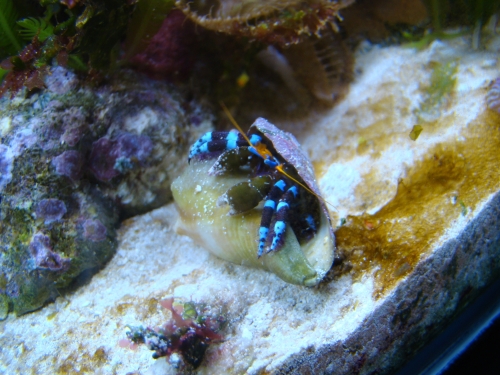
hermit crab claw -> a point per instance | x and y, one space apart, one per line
222 214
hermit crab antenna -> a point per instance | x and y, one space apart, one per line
233 121
279 168
259 148
263 151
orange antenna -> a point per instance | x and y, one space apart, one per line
263 152
279 168
260 148
233 121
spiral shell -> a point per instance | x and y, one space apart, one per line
235 237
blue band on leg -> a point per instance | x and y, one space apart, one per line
254 151
262 240
217 141
195 148
270 203
203 148
255 139
281 185
232 140
282 205
282 216
268 211
279 230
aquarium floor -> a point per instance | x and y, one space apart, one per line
419 240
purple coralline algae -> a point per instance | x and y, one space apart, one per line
75 126
62 81
44 256
74 161
69 164
110 158
50 210
94 230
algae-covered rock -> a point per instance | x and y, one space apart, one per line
72 163
44 241
4 306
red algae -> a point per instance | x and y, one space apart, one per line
184 339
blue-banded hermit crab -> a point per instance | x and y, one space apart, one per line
258 204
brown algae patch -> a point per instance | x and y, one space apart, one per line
140 307
82 361
449 183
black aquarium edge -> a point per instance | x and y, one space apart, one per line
441 352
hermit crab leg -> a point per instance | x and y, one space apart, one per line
219 141
267 213
281 217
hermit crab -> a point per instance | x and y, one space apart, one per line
252 199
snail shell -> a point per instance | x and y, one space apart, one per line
235 237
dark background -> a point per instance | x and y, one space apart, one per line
482 357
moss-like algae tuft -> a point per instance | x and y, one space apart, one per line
438 92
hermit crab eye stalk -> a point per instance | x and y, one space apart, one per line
255 139
262 211
263 153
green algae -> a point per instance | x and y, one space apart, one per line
427 39
468 15
439 90
4 306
